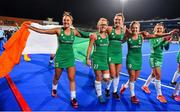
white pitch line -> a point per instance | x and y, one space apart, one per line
163 53
144 79
152 82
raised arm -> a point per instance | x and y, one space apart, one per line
91 42
146 35
46 31
149 36
81 33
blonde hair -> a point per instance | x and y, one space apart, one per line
67 14
134 22
121 15
102 19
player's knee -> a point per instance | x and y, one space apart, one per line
158 77
98 77
71 79
113 75
56 77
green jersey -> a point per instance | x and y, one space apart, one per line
100 53
134 55
115 47
156 52
64 54
178 57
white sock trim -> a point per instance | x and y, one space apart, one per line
176 75
54 87
157 84
73 94
131 86
108 84
149 80
177 89
98 88
115 83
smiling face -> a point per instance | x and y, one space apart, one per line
135 28
159 29
118 21
102 24
67 21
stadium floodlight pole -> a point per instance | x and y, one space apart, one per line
122 4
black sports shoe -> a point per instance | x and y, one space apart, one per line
173 83
74 103
54 93
116 96
101 99
107 93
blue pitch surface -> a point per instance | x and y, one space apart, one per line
34 80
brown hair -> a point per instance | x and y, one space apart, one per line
121 15
159 24
134 22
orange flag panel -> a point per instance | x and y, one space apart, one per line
13 49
